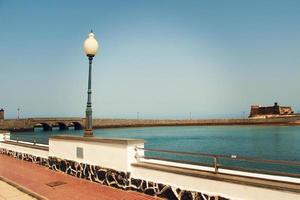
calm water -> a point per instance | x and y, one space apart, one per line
268 142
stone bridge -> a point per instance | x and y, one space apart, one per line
62 123
46 123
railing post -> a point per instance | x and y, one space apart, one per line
34 141
215 164
136 153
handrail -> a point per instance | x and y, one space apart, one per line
219 166
29 143
174 160
261 171
216 162
179 152
231 157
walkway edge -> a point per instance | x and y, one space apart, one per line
22 189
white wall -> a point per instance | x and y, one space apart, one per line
113 155
28 150
4 136
207 186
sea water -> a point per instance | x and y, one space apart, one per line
264 142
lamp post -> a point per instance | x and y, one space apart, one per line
90 46
18 113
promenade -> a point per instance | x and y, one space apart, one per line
48 184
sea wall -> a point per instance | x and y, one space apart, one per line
16 125
90 165
115 123
165 181
28 124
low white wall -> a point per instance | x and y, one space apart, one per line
115 154
27 150
4 136
224 171
207 186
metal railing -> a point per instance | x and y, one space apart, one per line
34 142
216 164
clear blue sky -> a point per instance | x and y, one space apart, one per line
162 58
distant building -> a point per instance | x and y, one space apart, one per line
1 114
258 111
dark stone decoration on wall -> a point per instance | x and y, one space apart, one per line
168 192
123 181
24 156
111 177
93 173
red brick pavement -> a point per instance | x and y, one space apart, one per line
34 178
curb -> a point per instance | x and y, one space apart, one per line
23 189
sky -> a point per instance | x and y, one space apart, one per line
161 58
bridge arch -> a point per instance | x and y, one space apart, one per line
45 126
76 125
61 125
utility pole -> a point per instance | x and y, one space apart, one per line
18 113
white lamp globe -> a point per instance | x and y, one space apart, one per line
90 45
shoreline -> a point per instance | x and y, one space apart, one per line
123 123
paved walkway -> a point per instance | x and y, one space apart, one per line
35 178
8 192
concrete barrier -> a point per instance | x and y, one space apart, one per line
228 186
117 154
34 150
4 135
113 162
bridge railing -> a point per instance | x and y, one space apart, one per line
56 118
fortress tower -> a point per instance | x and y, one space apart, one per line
2 114
270 111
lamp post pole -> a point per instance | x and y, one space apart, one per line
88 112
18 113
90 48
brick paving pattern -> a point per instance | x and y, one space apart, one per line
56 185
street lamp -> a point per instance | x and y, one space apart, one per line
18 113
90 46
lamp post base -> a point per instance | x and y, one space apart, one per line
88 133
